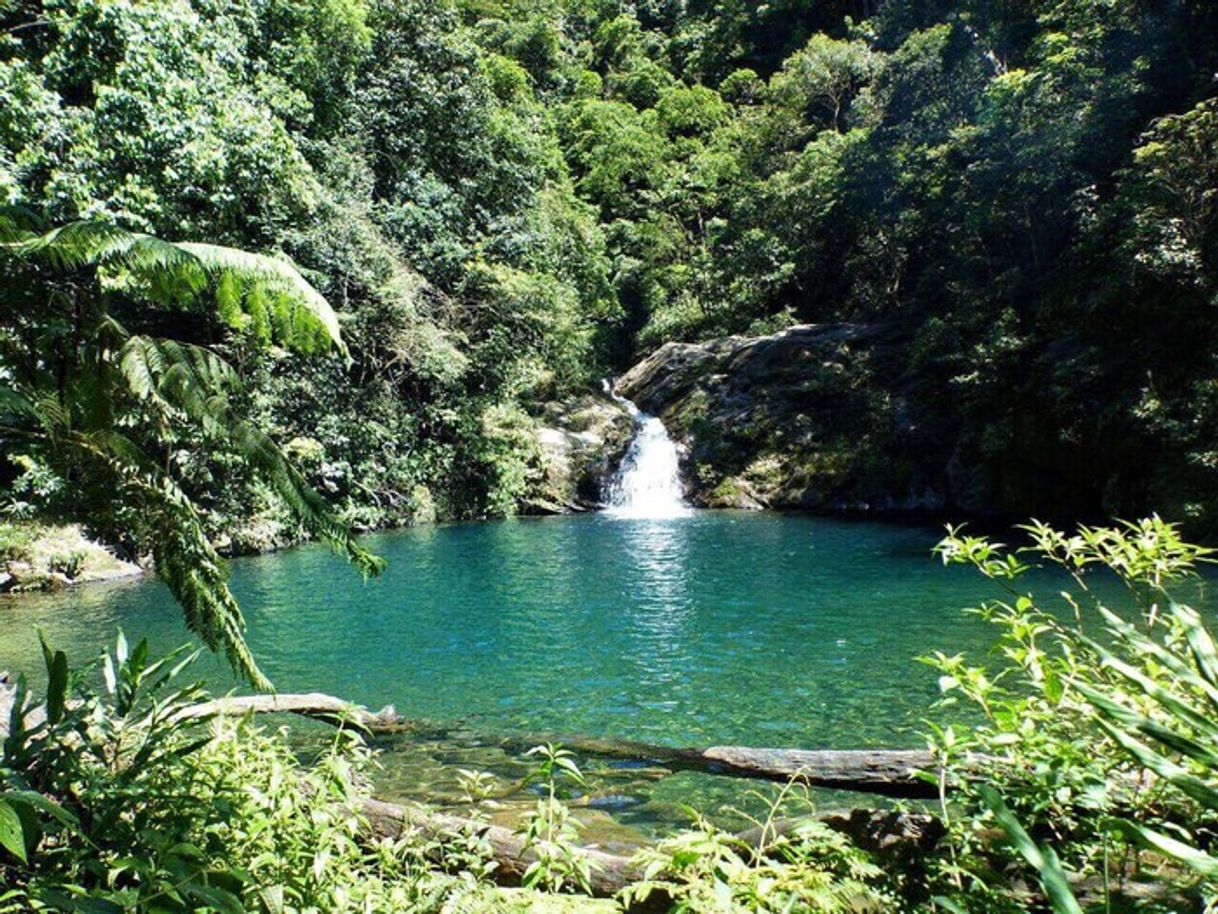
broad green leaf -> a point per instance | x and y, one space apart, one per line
57 687
12 831
83 904
225 902
50 807
1199 641
1195 859
1131 720
1179 777
948 905
1044 860
272 899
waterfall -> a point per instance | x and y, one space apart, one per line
648 483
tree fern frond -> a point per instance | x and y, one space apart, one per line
16 404
189 266
17 224
103 380
179 377
45 411
185 559
195 381
279 275
305 503
76 244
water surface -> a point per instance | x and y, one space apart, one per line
715 628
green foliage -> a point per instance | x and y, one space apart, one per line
134 800
157 809
68 564
15 541
805 866
107 407
1086 708
549 831
1024 188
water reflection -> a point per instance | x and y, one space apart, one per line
659 613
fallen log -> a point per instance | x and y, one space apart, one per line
315 705
888 772
611 873
892 772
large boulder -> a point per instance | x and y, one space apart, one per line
582 442
813 417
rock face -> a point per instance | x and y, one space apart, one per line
581 443
813 417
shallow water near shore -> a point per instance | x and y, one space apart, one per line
711 629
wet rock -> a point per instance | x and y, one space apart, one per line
53 557
582 441
815 417
866 418
610 802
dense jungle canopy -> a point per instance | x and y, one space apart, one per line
508 200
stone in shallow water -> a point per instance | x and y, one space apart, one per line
612 801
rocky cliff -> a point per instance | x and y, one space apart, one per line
850 417
581 443
814 417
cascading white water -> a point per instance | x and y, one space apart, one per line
648 483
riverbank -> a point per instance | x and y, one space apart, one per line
39 557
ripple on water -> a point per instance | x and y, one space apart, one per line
716 628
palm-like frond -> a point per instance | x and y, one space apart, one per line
278 275
194 381
73 399
305 503
188 266
185 559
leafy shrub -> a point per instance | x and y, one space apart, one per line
156 809
805 867
70 563
15 542
549 830
1092 754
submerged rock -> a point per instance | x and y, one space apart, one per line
813 417
582 441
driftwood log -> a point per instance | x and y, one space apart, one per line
315 705
888 772
611 873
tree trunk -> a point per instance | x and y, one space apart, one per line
315 705
888 772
